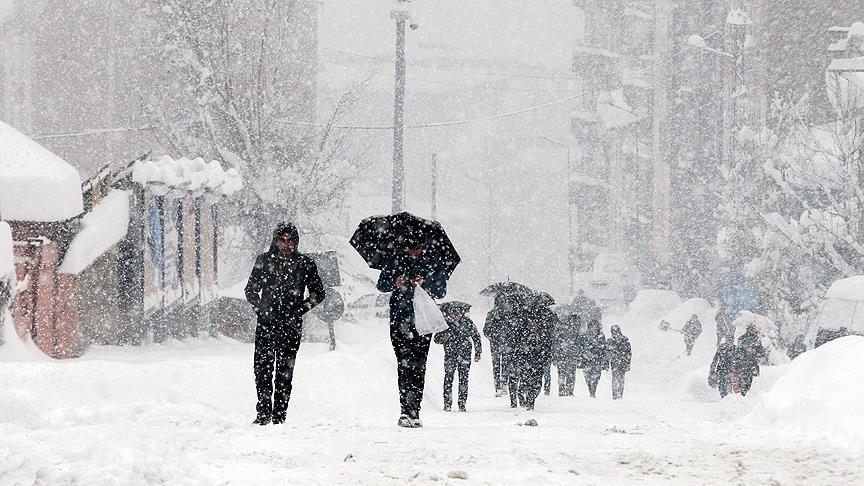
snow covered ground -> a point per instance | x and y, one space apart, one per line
181 413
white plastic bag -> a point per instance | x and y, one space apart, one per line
427 316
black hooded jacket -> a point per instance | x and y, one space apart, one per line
277 286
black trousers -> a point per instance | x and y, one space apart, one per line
276 347
617 384
526 381
453 363
745 381
547 379
592 377
499 366
566 379
412 351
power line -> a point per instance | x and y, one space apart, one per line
485 87
458 70
495 116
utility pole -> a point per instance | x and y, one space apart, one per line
571 206
401 16
434 187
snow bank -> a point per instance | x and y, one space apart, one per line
193 176
102 228
35 184
820 394
651 305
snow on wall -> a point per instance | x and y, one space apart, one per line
35 184
820 394
102 228
7 262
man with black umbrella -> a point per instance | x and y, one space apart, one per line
457 342
530 348
407 270
276 290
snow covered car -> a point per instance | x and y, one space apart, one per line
842 313
371 306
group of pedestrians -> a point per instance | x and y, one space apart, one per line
527 338
734 366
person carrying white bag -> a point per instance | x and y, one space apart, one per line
414 280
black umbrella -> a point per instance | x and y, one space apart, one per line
506 288
379 238
455 305
544 299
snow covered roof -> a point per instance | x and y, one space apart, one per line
184 176
851 288
738 17
102 228
855 64
35 184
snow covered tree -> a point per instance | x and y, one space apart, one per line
240 85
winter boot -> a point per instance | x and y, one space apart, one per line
405 422
262 420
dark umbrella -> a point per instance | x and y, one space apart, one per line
506 288
460 307
544 299
379 238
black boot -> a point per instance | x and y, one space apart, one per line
262 420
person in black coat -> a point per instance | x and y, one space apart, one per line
691 331
566 353
723 366
457 342
496 329
797 348
619 355
748 354
593 356
276 290
529 344
405 272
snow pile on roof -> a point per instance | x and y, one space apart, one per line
184 176
820 394
851 288
738 17
102 228
35 184
7 262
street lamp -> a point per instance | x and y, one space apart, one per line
571 202
402 15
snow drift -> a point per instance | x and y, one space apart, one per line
820 394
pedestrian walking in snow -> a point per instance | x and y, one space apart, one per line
276 290
723 366
530 347
747 356
496 329
412 254
594 356
619 354
565 354
797 348
692 330
457 342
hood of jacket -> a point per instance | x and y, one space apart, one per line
282 229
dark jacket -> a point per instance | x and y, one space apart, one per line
594 351
567 343
749 352
278 284
692 329
458 339
402 300
619 353
496 327
724 360
529 338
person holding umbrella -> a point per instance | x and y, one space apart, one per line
497 327
530 348
457 342
276 289
412 253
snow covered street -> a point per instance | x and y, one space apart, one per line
181 414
